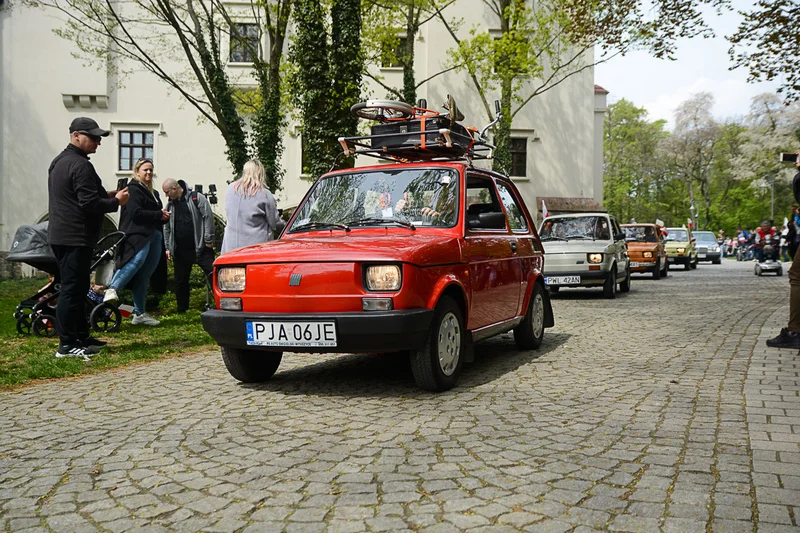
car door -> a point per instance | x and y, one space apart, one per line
494 271
528 254
620 246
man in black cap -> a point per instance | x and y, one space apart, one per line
78 203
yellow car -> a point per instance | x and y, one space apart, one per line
681 249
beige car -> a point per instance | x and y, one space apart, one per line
585 250
680 246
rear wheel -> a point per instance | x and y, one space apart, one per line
250 366
530 333
438 363
105 317
44 326
610 285
665 272
693 264
657 270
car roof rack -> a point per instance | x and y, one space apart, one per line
453 143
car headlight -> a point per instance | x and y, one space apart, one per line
231 279
595 258
647 255
383 278
715 249
681 250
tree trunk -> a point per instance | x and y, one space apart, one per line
502 131
409 83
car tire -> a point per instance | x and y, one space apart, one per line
687 265
530 332
758 270
693 264
625 285
717 261
250 366
610 285
438 363
657 270
665 272
779 272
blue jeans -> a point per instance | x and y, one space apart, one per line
138 270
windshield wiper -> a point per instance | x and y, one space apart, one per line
552 238
378 220
582 237
320 225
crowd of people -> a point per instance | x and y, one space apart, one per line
182 231
748 245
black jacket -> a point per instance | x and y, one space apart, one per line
796 187
139 218
78 200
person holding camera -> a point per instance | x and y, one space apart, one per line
789 336
138 256
78 202
188 236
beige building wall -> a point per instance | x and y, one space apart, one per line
43 87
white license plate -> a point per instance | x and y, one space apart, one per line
637 264
671 259
299 334
701 256
562 280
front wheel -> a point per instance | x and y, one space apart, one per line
530 332
693 264
665 272
250 366
610 285
438 363
657 270
625 286
105 317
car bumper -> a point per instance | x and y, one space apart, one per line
710 256
643 265
589 278
679 260
386 331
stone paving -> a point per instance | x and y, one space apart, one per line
662 410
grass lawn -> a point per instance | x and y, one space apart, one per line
27 358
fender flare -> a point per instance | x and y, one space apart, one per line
442 285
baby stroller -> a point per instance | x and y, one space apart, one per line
36 314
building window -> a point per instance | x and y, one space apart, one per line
244 43
134 145
519 156
393 57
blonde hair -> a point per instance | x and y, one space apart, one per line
254 178
136 168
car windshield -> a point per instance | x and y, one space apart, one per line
705 236
639 233
677 235
406 197
578 228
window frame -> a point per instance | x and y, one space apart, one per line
507 185
131 146
233 41
512 153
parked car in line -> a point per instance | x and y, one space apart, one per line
708 249
424 257
585 250
646 249
680 246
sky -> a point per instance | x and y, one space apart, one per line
701 65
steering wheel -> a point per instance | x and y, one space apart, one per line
382 110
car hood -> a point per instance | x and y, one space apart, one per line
576 247
635 246
377 245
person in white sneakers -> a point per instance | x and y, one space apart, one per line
141 220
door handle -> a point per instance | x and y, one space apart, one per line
514 247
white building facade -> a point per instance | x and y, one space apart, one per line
557 137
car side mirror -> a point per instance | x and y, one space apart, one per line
486 221
692 240
619 237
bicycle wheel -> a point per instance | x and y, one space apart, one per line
382 110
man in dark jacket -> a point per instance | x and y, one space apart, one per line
790 335
77 204
188 236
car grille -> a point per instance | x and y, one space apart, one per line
702 250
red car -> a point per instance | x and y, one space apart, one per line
425 257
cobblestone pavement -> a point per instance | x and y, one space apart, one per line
660 411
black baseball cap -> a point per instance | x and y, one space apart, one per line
87 125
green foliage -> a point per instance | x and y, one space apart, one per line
327 78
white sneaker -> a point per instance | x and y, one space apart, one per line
145 320
110 296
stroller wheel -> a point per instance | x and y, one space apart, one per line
24 325
44 326
105 317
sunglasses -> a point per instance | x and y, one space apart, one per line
95 138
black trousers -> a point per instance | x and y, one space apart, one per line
182 263
74 265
